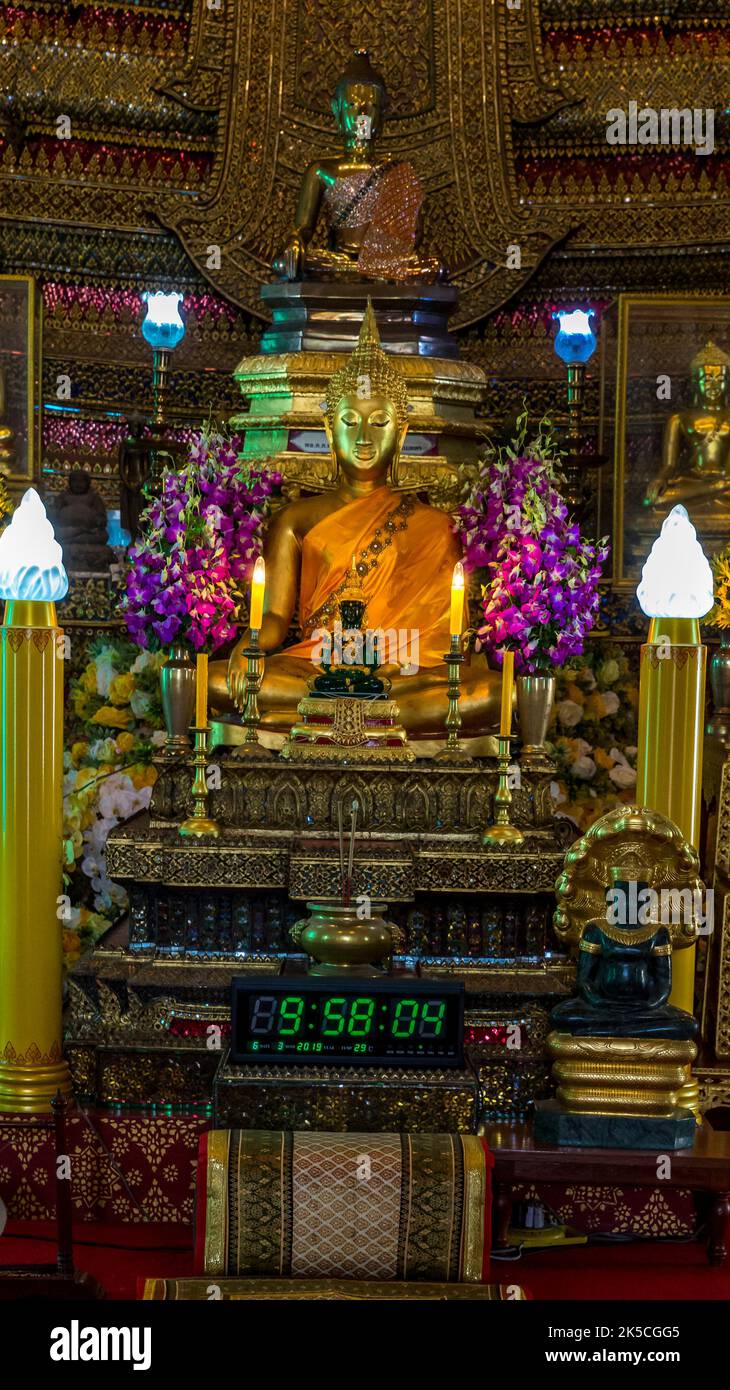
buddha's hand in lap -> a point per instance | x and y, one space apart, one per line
289 262
236 679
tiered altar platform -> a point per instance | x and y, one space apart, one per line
149 1020
314 323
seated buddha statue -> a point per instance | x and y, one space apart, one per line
81 523
403 550
372 207
695 466
624 976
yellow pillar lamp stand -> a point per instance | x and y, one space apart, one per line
32 580
676 590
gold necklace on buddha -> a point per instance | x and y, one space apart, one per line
629 936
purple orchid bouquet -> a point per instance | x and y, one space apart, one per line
186 577
542 595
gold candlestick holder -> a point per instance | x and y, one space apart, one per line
502 832
200 823
453 751
252 747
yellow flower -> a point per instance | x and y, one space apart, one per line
574 692
122 688
88 679
113 718
596 705
71 944
79 752
80 702
720 615
125 743
603 758
142 776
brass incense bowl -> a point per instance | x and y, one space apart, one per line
342 941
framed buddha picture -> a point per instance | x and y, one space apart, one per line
665 420
20 377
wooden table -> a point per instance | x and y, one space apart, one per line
703 1168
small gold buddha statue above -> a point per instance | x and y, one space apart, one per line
695 467
404 551
372 207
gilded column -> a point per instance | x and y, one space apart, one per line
31 786
676 590
669 772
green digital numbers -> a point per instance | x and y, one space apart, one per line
307 1023
334 1017
361 1017
406 1017
353 1016
412 1019
290 1019
432 1018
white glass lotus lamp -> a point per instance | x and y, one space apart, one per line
31 560
575 341
676 580
162 326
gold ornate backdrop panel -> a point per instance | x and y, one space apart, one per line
457 70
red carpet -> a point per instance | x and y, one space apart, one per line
115 1255
118 1255
654 1270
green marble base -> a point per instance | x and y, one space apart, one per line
556 1126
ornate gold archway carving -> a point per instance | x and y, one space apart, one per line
459 73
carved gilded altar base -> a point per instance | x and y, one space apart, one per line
141 1014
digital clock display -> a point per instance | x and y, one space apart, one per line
312 1020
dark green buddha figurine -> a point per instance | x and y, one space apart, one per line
624 976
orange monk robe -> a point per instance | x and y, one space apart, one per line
409 587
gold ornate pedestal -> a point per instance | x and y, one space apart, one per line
345 729
284 417
620 1076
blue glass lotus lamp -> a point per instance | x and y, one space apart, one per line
163 329
575 344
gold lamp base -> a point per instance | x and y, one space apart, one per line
29 1089
198 826
502 832
200 823
502 835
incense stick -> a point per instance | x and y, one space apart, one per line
351 854
342 849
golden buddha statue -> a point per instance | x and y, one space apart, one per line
695 465
372 207
404 552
